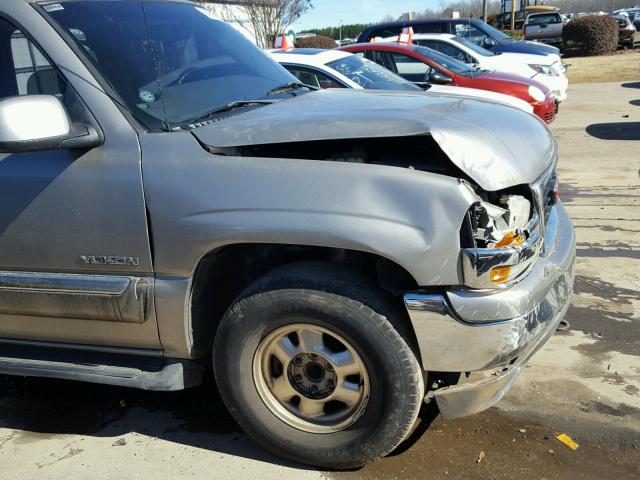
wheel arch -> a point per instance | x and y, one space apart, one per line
222 274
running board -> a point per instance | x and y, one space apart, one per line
127 371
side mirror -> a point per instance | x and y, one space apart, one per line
440 78
489 42
34 123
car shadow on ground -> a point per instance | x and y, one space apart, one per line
196 417
635 103
631 85
615 130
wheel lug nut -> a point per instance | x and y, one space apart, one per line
298 361
329 383
328 367
298 378
314 389
313 356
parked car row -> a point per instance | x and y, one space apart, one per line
474 30
341 69
174 201
546 69
428 60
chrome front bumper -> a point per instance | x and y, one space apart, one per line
464 330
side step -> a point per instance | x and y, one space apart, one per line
147 373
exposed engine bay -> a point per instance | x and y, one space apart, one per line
418 152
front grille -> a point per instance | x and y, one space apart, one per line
544 194
549 194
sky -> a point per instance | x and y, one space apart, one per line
328 13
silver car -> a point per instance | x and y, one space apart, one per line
173 199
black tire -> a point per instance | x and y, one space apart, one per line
344 302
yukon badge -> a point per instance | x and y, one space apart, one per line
109 260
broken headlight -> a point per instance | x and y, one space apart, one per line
500 241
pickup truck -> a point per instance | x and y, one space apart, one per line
545 27
173 201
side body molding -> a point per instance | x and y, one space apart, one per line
86 297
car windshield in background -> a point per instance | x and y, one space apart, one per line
175 62
493 32
472 46
540 19
446 61
622 22
369 74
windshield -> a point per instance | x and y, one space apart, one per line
369 74
169 62
446 61
492 32
472 46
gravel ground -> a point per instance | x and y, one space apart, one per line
585 382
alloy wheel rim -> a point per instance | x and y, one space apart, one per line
311 378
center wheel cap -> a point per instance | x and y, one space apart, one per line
312 375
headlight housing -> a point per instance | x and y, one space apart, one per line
506 241
537 94
544 69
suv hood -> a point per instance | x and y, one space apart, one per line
496 145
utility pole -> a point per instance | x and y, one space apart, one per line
513 15
484 11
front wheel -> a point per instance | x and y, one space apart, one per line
310 362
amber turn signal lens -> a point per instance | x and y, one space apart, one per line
499 275
510 239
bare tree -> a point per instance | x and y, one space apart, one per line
269 18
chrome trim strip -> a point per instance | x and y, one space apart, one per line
64 283
552 231
75 296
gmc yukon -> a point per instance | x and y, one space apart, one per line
173 200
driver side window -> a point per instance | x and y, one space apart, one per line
447 49
23 68
471 33
312 77
411 68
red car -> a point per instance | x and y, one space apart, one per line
423 66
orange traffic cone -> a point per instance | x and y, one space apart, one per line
282 41
406 36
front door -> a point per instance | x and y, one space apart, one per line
75 261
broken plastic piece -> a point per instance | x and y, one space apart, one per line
568 441
481 456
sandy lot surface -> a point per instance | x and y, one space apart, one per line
585 382
620 67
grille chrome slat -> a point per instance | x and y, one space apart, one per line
544 195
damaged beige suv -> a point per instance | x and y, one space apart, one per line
172 200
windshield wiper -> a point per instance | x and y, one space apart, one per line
288 87
228 107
